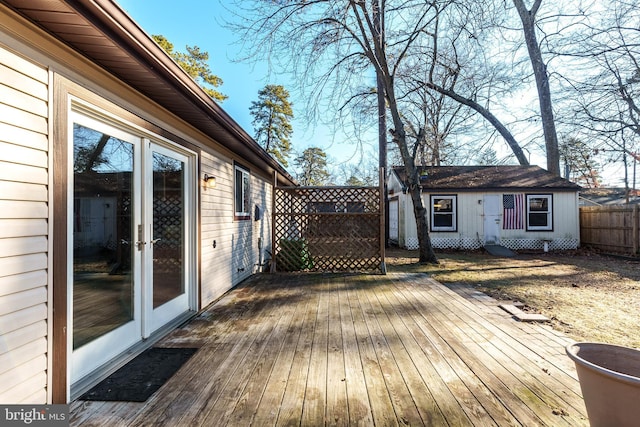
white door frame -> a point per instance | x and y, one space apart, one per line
86 359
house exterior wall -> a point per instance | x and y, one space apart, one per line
240 245
470 224
24 231
38 77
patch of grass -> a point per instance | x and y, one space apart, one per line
587 296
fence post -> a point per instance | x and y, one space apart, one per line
273 221
635 225
383 220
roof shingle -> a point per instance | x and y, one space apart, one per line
472 178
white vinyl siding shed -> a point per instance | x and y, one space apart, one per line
464 184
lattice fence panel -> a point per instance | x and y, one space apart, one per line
168 228
327 229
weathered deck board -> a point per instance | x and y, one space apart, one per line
486 369
315 395
485 340
377 393
290 410
323 349
358 403
337 411
438 367
543 346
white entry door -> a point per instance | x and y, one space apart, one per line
492 214
132 216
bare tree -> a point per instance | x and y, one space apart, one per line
460 66
333 44
528 18
604 52
343 59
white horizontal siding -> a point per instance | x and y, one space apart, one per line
23 191
216 225
25 370
25 80
16 302
22 264
17 137
25 352
30 388
24 101
24 218
23 119
11 209
22 155
23 173
23 227
236 254
470 218
21 337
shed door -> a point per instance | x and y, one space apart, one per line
393 220
492 204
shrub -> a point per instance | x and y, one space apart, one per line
293 255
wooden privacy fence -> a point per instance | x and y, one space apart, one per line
328 229
611 228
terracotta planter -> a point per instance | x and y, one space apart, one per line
610 382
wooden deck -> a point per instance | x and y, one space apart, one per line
371 350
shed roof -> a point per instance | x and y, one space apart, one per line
103 32
485 178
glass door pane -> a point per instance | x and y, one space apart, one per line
168 228
103 284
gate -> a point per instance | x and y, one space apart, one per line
328 229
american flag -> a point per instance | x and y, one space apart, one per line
512 205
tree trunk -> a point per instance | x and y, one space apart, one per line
427 255
528 18
95 154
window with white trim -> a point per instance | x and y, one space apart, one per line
539 212
443 213
242 182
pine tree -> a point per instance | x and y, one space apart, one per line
194 62
272 114
312 165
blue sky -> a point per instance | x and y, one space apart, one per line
199 22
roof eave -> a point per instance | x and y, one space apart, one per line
195 105
137 42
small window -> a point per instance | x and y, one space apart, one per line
242 193
539 212
443 213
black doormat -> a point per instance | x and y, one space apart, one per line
140 378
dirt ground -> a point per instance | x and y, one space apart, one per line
587 296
